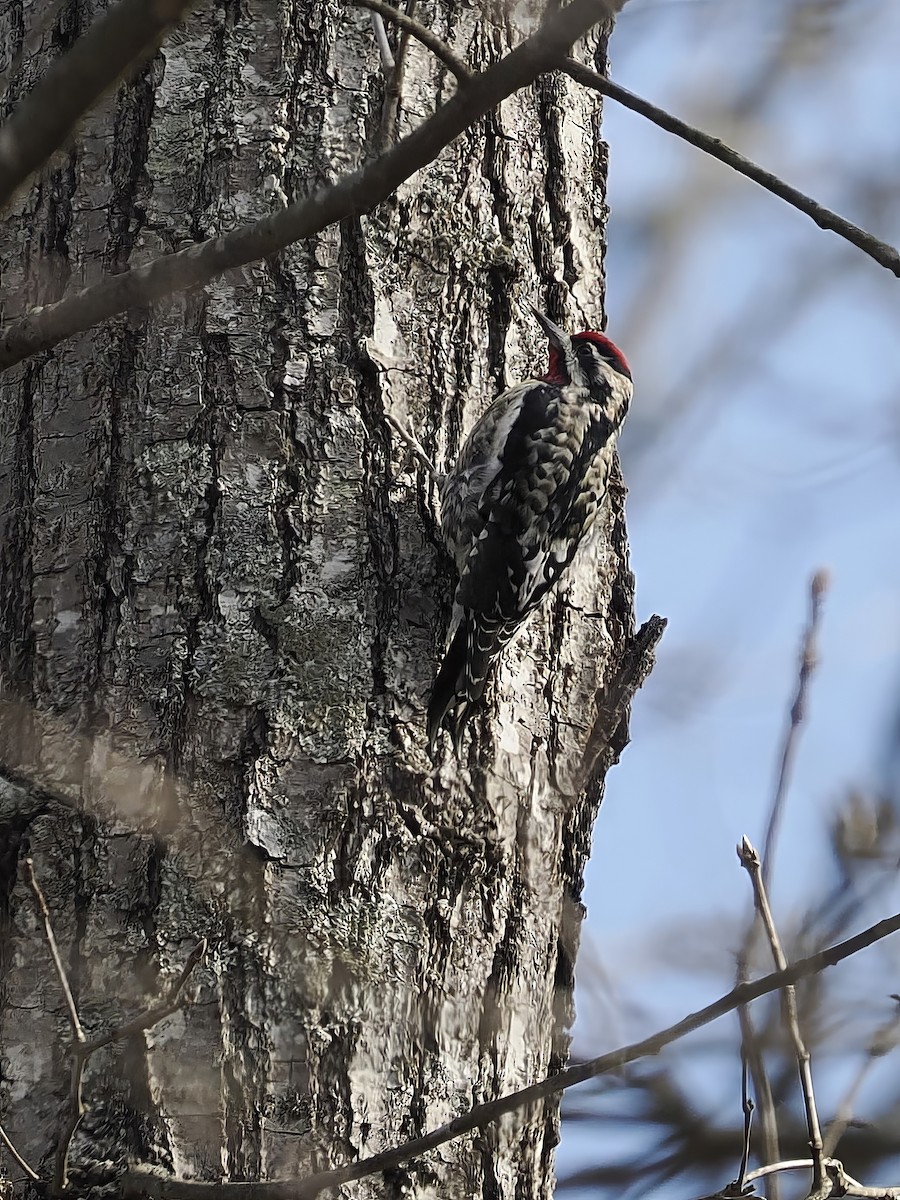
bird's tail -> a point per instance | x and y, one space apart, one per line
463 676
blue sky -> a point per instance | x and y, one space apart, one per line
764 444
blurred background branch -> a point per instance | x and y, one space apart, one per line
763 442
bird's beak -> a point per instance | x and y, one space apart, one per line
557 338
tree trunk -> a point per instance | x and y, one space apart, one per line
224 600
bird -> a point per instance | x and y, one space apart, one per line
525 490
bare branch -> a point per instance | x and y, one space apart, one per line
747 1107
750 862
391 104
149 1182
884 254
791 1164
817 589
356 193
77 1031
421 33
846 1184
849 1186
125 35
752 1055
79 1043
749 1041
5 1139
82 1049
151 1016
415 446
384 48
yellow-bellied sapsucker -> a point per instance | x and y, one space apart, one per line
524 491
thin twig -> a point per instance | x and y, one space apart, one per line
77 1031
353 194
421 33
750 862
76 1107
42 122
82 1049
415 446
5 1139
817 589
885 255
157 1012
161 1187
747 1107
847 1185
775 1168
749 1042
74 1117
765 1101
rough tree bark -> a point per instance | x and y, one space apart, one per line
223 602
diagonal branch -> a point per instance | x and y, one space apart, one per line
17 1157
884 254
421 33
77 1031
150 1183
125 35
356 193
157 1012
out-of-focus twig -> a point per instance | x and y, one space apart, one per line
126 34
421 33
884 254
749 1040
750 862
817 589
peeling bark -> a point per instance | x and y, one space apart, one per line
223 604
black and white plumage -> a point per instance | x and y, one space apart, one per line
524 491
